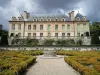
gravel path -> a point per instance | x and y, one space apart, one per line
51 67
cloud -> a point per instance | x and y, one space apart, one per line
13 8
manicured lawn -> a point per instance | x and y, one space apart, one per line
85 62
16 62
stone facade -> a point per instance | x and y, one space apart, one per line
49 26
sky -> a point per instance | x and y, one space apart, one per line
9 8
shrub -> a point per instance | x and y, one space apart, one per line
48 42
15 62
4 40
95 39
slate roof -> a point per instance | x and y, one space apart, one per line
78 15
51 17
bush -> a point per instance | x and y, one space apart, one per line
79 42
60 42
4 40
15 62
95 39
48 42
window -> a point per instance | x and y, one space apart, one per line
63 34
63 19
34 35
19 27
35 19
41 27
56 34
56 27
49 26
84 18
78 27
49 34
68 34
84 26
29 27
41 19
49 20
41 34
68 27
56 19
29 34
19 34
12 34
63 27
13 26
78 34
34 27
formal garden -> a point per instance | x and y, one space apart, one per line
16 62
85 62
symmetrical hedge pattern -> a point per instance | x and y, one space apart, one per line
16 62
85 62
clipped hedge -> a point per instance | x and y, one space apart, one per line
14 62
83 70
85 62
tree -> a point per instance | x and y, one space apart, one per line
95 28
0 30
95 39
4 40
4 36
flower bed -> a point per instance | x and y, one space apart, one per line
15 62
85 62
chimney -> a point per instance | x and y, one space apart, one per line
26 15
69 15
72 15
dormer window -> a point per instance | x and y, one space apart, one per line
63 19
84 18
18 18
56 19
14 18
41 19
35 19
78 19
49 19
